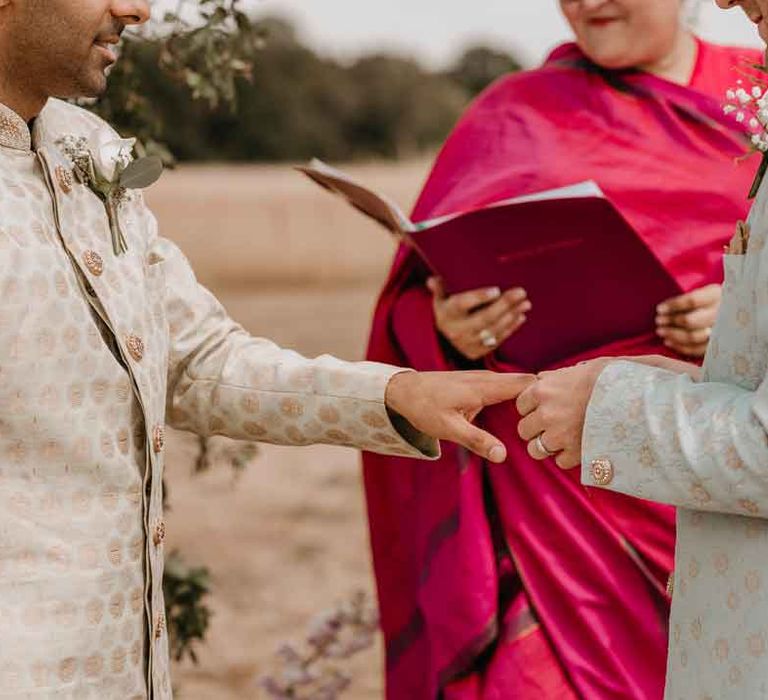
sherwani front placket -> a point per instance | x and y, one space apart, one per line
97 266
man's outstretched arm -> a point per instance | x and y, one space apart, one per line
223 381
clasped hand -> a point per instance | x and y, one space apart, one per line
552 406
553 411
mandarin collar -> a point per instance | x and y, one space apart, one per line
15 133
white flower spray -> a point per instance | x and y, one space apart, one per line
103 163
748 105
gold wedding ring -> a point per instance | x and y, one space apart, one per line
541 447
488 339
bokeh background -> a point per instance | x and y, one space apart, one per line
374 87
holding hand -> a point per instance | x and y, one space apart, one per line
477 322
554 409
685 322
444 404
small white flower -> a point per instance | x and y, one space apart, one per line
108 152
743 96
740 117
757 92
756 139
729 109
730 95
754 124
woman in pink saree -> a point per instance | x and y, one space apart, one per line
515 582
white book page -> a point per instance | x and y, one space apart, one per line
581 190
588 188
384 202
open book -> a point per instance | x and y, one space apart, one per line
590 277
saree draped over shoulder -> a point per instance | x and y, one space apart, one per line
514 581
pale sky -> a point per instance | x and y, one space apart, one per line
435 31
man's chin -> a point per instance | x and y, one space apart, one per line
89 87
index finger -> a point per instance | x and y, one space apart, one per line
677 305
464 302
495 388
705 296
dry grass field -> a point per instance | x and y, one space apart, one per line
288 538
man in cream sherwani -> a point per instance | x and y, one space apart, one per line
664 431
97 350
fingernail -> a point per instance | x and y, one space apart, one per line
493 293
661 332
497 454
526 306
662 309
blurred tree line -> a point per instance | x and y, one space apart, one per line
292 104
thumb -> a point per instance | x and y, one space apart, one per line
476 440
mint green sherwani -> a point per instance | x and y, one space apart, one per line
704 448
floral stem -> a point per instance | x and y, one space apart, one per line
761 171
119 244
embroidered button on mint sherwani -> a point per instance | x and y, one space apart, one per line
704 447
95 351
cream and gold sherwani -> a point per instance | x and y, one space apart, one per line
97 352
704 447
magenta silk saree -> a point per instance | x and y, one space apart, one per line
515 581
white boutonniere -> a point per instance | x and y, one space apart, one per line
750 108
105 165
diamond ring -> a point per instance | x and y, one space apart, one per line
488 339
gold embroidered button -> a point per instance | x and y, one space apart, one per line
158 438
602 471
65 179
160 626
135 346
94 262
159 534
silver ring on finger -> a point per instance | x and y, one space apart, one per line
542 448
488 339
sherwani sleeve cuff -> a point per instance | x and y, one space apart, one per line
395 434
660 436
613 438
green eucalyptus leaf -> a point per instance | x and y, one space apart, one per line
141 173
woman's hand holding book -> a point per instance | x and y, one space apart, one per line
475 323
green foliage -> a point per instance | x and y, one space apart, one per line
218 85
197 53
479 66
187 613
